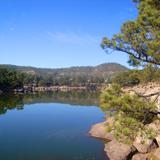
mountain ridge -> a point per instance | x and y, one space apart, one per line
20 67
77 75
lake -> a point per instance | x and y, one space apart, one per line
50 126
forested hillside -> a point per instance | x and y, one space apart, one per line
67 76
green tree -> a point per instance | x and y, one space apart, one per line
140 38
10 79
128 78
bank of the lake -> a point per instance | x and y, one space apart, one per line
115 150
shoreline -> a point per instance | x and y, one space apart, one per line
115 150
149 150
27 89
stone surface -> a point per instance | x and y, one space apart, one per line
155 155
140 156
99 131
144 147
146 89
118 151
156 127
157 138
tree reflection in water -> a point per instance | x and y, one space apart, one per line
17 101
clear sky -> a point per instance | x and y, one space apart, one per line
60 33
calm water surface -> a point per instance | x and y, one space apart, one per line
51 126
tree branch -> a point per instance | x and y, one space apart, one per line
146 96
138 57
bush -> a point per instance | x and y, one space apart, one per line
135 77
129 78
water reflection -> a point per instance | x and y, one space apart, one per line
51 126
17 101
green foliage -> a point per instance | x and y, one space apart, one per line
132 112
129 78
150 74
74 76
140 38
10 79
126 128
133 77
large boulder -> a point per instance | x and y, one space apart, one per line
144 146
118 151
156 127
99 131
157 138
155 155
140 156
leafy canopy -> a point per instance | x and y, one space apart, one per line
140 38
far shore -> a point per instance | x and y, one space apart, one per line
26 89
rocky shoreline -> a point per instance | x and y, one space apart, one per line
148 150
139 149
26 89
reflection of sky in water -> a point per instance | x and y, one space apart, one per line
50 131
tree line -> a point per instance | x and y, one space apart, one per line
15 77
150 73
11 79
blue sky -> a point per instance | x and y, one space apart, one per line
60 33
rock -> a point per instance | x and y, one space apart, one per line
144 146
140 156
99 131
118 151
155 155
155 126
157 138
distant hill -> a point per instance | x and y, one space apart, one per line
105 71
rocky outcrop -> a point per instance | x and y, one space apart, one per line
146 89
118 151
157 138
59 88
155 155
113 149
99 131
140 156
144 146
140 149
156 127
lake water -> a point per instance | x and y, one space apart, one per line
50 126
